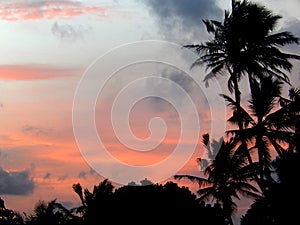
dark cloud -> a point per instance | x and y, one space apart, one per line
82 175
47 175
85 174
16 183
69 32
94 173
182 20
170 89
182 79
143 182
132 183
35 130
61 178
146 182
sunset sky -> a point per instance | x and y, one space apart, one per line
46 49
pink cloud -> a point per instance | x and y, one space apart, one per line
34 72
48 10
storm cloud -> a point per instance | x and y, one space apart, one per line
182 20
16 183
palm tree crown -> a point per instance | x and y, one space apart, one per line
264 124
227 176
245 43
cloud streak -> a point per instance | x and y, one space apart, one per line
48 10
34 72
35 130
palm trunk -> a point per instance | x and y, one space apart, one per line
260 148
227 210
230 220
237 94
297 135
259 144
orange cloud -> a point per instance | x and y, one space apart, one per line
34 72
48 10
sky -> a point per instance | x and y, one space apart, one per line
70 70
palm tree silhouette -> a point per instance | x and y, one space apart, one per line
227 176
52 213
293 106
245 44
279 204
99 200
264 125
8 216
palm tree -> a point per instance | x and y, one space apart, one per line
277 206
263 124
293 106
95 202
227 176
245 44
8 216
52 213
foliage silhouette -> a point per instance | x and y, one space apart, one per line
280 204
227 176
265 124
292 105
8 216
95 203
51 213
151 203
245 43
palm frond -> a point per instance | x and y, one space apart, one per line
205 193
281 39
247 172
209 77
199 180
